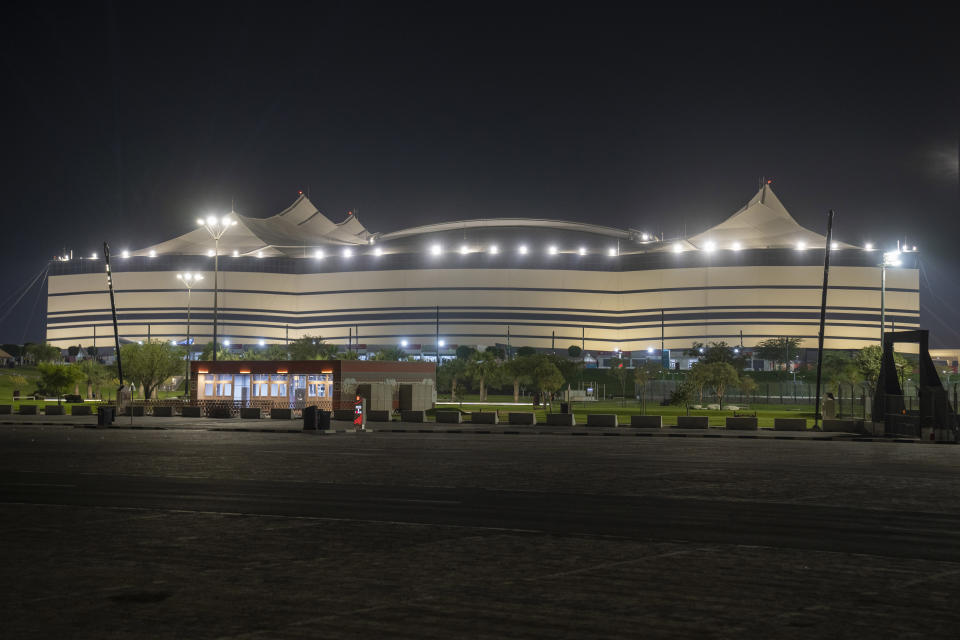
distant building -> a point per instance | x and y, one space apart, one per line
499 281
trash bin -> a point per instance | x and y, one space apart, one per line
323 420
104 416
310 418
564 407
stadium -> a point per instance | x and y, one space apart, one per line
506 281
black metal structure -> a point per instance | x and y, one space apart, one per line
113 310
823 317
933 411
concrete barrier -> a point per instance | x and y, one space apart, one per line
742 423
837 425
54 410
790 424
379 415
523 417
218 412
281 414
190 412
413 416
561 420
601 419
693 422
449 417
134 410
484 417
250 413
6 409
28 409
344 414
162 412
650 422
80 410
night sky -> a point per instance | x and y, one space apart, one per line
125 122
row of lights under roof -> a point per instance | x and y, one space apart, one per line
522 249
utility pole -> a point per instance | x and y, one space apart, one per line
823 319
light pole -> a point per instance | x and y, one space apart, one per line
189 279
890 259
216 227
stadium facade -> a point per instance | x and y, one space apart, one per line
523 282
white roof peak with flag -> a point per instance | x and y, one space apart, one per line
294 230
763 223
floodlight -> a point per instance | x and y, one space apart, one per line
552 250
235 254
649 349
226 343
378 251
801 246
868 246
644 236
225 221
124 254
259 254
522 249
93 256
211 220
736 246
442 343
262 343
436 249
494 249
611 251
348 252
173 342
210 253
700 349
464 249
403 343
834 246
153 254
914 248
582 251
318 254
677 247
200 222
709 246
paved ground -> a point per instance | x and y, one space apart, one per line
196 533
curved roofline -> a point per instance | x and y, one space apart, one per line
493 223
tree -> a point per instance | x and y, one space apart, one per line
57 378
150 364
838 369
93 352
206 354
718 352
485 369
747 386
697 378
620 369
683 394
779 350
868 362
519 371
74 350
347 355
571 369
547 377
574 351
720 376
391 353
43 352
310 348
642 375
464 352
450 376
524 352
93 373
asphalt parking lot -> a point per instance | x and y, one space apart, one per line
197 533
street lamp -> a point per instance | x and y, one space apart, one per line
216 227
189 279
890 259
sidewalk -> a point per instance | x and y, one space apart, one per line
296 426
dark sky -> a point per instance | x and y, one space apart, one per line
124 121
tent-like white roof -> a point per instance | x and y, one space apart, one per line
764 223
291 232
